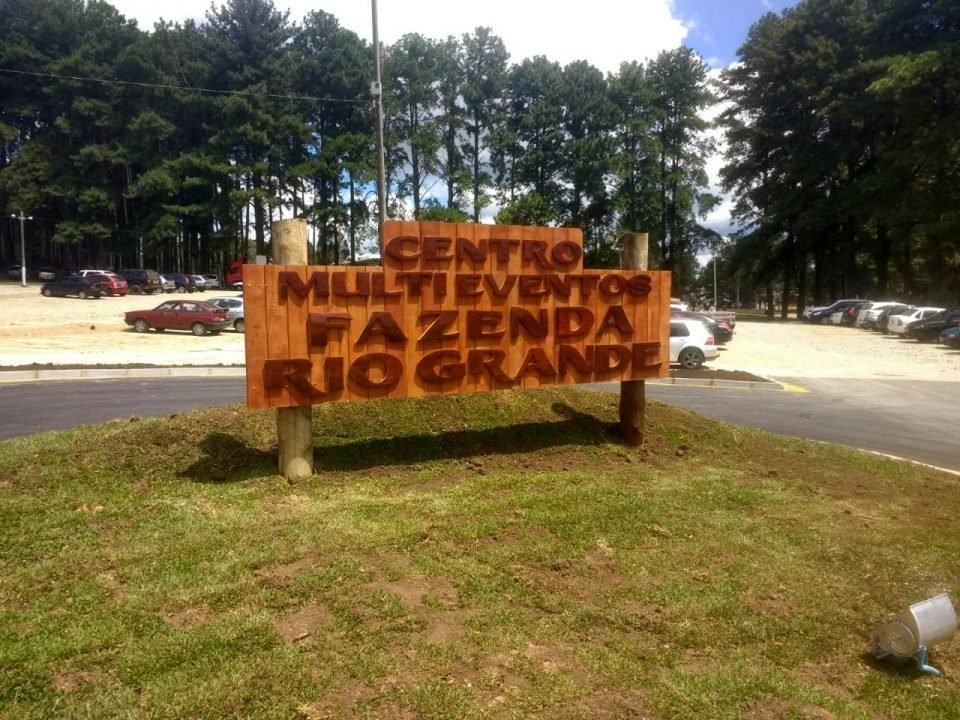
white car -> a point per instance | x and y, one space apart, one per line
899 323
212 281
199 282
868 315
169 286
691 343
234 308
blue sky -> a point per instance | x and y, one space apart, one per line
716 29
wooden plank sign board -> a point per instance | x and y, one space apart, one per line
455 308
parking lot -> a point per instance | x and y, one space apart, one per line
68 331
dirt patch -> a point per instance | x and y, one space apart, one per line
709 373
299 626
435 603
285 574
191 617
71 682
615 704
413 591
776 709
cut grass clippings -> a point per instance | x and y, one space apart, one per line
499 555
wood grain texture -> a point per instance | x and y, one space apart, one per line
416 313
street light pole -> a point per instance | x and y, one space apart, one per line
377 91
715 307
23 248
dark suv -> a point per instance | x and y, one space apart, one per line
142 281
183 282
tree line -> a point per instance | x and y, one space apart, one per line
177 147
843 131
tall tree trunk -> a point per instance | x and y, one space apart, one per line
787 283
353 221
476 168
801 282
259 214
881 258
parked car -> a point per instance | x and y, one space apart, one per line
212 281
142 281
199 282
720 329
112 283
197 316
182 283
234 308
233 278
929 330
849 315
14 271
82 287
690 343
887 312
48 273
169 286
899 323
867 316
951 337
822 314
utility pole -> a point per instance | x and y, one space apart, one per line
23 247
715 306
376 89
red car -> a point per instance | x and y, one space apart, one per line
197 316
112 284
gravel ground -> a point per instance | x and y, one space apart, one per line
68 331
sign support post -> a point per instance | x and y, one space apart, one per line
294 424
634 256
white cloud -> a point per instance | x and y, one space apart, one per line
603 32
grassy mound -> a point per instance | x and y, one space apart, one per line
498 555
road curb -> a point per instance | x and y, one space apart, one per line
13 376
766 385
10 376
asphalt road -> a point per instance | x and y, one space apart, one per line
919 420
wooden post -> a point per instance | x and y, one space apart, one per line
294 424
634 256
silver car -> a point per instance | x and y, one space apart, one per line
234 308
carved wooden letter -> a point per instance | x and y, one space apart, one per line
319 323
535 328
442 319
484 325
566 316
441 366
360 371
616 317
384 324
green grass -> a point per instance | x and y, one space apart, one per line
499 555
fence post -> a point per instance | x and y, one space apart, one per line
294 424
634 256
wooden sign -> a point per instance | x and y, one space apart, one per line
456 308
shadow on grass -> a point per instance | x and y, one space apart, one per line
906 669
226 459
575 429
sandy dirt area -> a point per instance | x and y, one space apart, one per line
68 331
